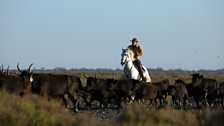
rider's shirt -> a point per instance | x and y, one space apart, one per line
137 51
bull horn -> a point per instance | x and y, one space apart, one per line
7 70
29 69
18 68
86 76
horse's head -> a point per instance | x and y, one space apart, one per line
125 56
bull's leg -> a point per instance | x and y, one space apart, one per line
185 101
161 100
181 103
102 103
178 102
197 102
119 101
129 99
222 101
173 101
74 101
90 101
205 99
155 102
219 101
85 100
151 103
64 101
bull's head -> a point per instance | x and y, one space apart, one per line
24 72
179 81
27 78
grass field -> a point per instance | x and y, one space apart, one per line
36 111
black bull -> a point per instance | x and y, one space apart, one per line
178 93
57 86
16 84
99 90
105 90
163 87
209 86
147 91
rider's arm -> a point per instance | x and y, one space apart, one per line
139 51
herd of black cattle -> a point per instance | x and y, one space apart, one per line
201 92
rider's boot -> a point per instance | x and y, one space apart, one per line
141 75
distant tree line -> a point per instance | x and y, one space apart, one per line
159 69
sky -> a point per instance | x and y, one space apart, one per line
186 34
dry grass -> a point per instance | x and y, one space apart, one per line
138 115
34 110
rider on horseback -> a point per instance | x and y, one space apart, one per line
137 50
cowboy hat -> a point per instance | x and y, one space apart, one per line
134 40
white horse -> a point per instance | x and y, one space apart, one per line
130 70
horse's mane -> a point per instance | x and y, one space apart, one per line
131 53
